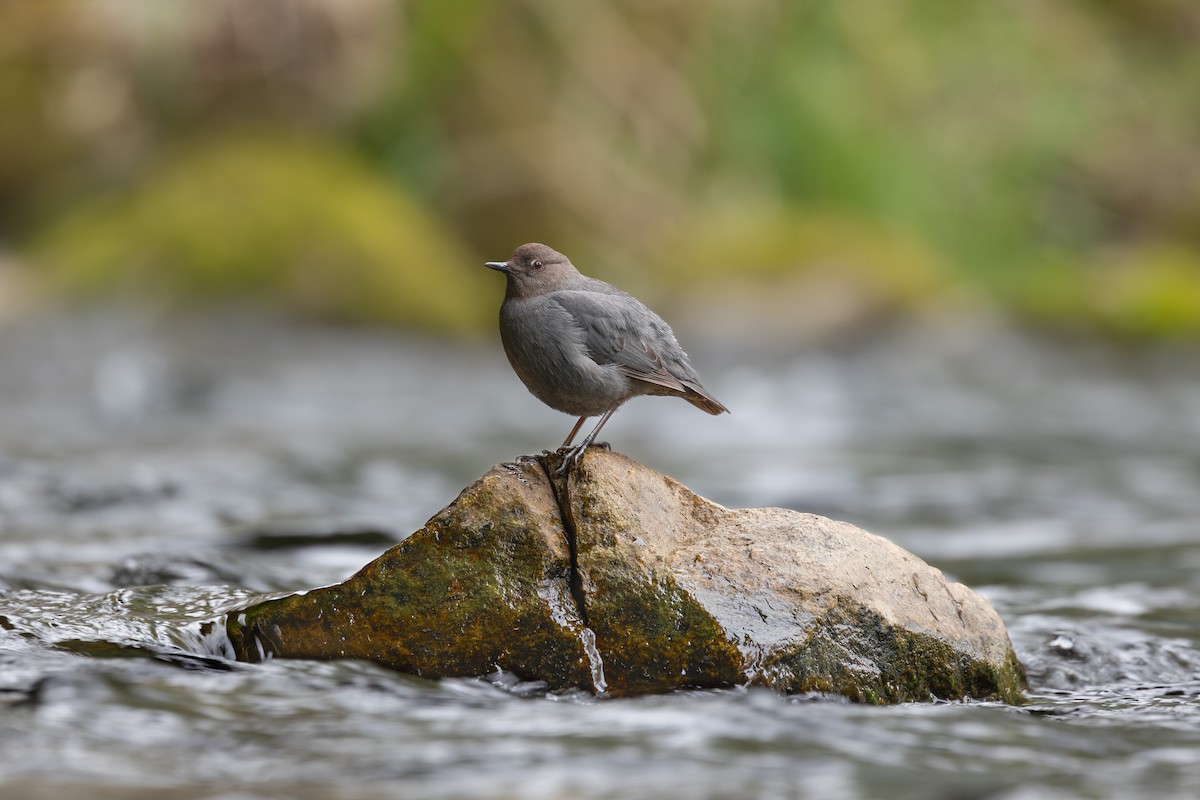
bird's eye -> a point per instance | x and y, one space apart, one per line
537 263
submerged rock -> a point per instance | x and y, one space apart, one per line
617 579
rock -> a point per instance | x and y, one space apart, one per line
620 580
483 586
679 586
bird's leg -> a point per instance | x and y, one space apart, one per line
575 430
573 455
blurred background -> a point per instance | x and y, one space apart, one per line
940 259
355 160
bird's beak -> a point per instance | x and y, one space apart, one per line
500 266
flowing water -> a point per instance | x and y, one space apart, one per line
154 476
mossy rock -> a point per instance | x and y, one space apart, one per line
288 221
483 586
768 596
618 580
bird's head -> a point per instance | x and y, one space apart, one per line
535 269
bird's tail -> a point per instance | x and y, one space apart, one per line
703 401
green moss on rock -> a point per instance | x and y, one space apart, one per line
652 635
859 655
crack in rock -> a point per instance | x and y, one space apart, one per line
562 498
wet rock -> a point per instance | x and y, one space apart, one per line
680 589
619 579
483 586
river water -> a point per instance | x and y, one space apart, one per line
155 475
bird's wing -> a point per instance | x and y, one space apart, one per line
619 330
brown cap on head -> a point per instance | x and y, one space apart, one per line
535 269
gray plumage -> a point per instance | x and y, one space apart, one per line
584 347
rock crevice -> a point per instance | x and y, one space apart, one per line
560 487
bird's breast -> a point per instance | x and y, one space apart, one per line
546 348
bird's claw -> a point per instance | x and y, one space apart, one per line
571 458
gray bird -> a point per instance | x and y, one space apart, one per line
584 347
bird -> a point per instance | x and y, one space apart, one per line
584 347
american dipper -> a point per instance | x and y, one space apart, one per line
584 347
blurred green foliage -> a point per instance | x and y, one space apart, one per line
276 218
1040 154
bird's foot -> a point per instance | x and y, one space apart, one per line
571 458
603 446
